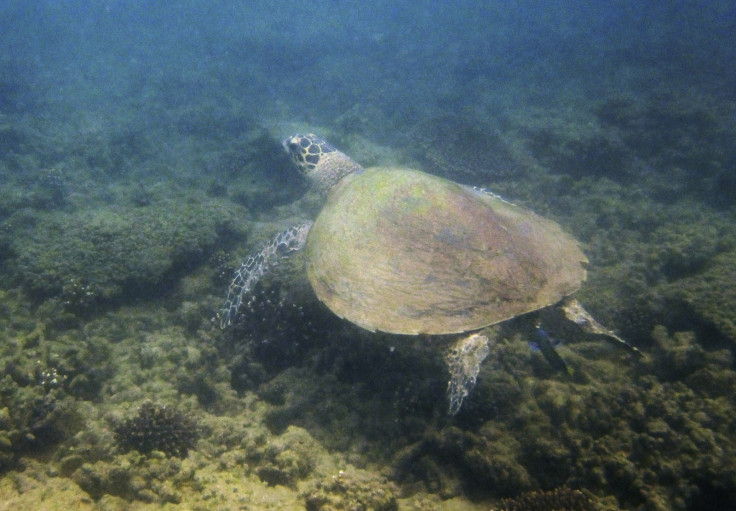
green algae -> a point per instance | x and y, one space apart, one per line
352 489
667 242
289 458
711 294
318 397
644 433
87 258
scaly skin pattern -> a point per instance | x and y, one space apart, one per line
319 161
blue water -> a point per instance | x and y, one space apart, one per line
315 61
140 160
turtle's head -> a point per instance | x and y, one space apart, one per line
319 161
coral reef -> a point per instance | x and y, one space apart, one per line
352 490
711 295
126 202
32 420
40 383
157 428
479 154
154 480
287 459
677 131
452 461
559 499
89 258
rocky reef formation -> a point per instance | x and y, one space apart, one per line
88 259
109 292
559 499
350 490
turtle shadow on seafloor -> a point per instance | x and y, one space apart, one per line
277 337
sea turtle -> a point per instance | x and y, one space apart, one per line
401 251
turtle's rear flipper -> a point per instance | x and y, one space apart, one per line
578 315
463 362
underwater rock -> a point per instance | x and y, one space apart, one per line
288 458
559 499
32 419
452 461
711 294
580 153
103 478
678 131
88 258
131 478
352 490
479 153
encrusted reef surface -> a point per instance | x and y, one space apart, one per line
90 257
118 389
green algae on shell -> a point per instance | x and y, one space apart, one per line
405 252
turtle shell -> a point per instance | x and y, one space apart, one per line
404 252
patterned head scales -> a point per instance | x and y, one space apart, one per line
318 160
306 151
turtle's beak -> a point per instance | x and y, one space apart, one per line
293 146
289 144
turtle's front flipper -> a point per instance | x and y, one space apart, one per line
578 315
463 361
257 265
